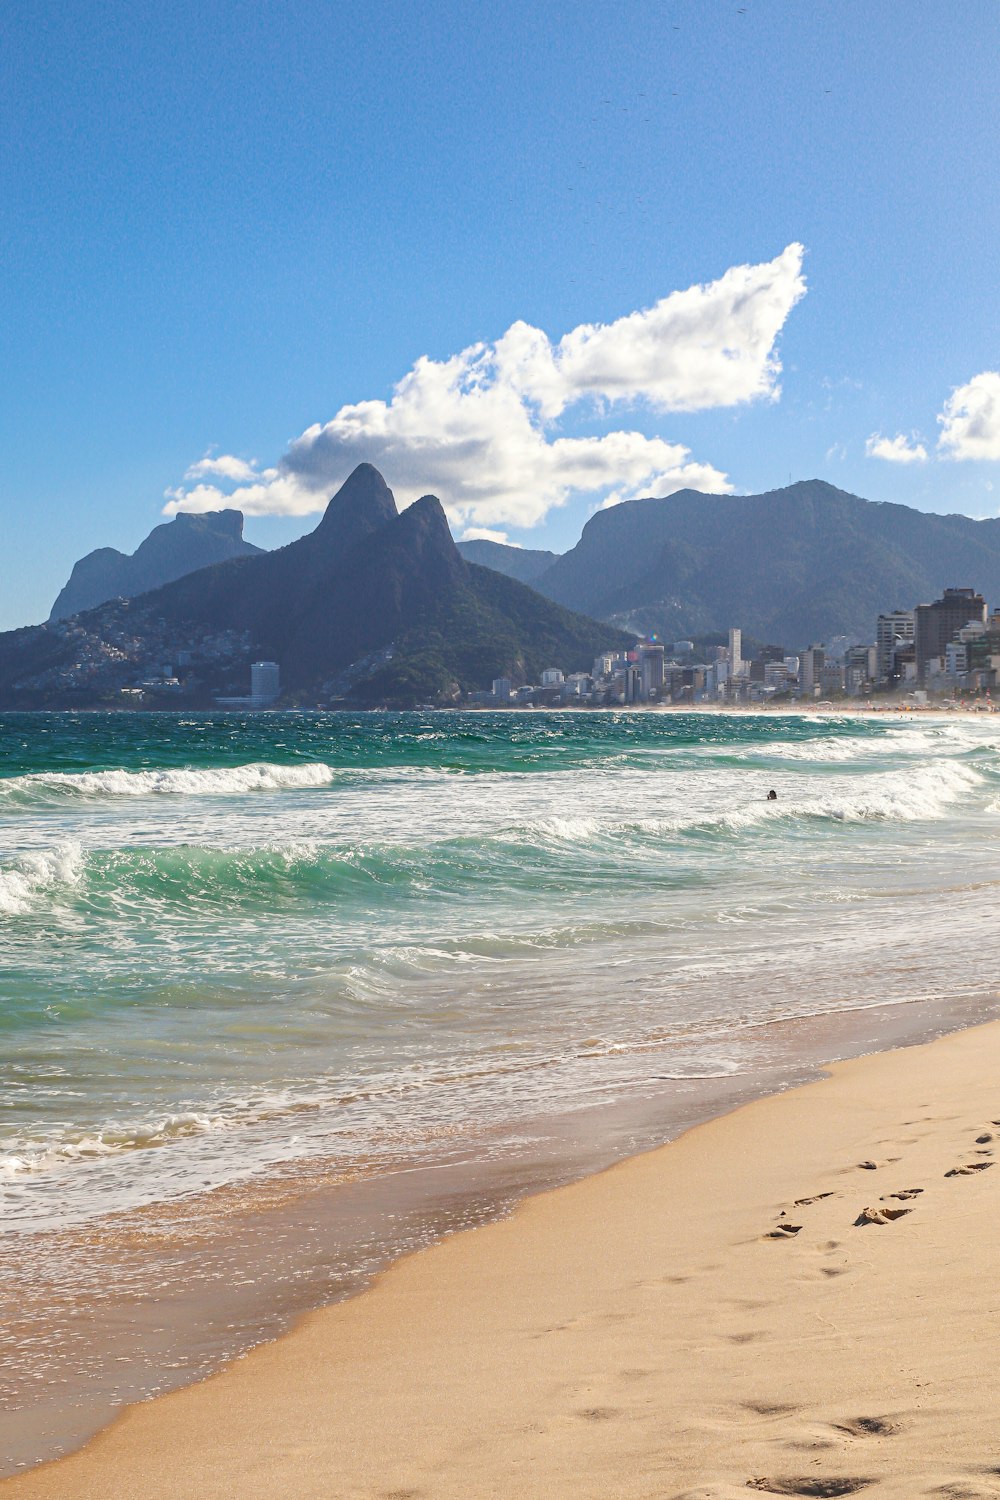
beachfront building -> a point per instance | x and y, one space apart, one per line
860 667
651 657
936 625
892 631
501 689
735 656
810 666
552 677
831 679
265 683
777 676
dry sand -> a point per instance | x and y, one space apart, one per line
708 1320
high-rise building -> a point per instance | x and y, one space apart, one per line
891 630
502 689
631 684
810 667
831 679
651 669
860 665
265 682
936 625
735 653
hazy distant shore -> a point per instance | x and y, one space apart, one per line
801 1293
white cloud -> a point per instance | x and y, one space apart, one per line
897 450
225 466
478 428
970 421
484 534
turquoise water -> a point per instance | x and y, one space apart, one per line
232 944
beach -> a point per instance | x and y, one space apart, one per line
290 998
798 1298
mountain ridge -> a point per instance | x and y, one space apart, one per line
368 582
796 564
172 549
523 563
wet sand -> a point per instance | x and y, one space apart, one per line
802 1297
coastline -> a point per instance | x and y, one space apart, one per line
647 1329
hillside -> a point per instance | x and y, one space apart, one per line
793 565
373 604
523 563
180 546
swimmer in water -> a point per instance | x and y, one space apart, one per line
772 795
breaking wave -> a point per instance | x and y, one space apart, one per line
36 874
181 781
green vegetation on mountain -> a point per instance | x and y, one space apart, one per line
523 563
794 565
373 605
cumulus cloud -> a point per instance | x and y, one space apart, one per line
479 430
225 466
897 450
970 420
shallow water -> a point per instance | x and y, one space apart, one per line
243 960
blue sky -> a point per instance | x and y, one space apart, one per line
227 223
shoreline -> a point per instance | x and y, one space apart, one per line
538 1339
173 1292
825 707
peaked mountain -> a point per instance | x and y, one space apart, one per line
522 563
177 547
372 603
794 565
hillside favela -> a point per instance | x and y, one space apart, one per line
499 751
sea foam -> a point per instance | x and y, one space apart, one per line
183 781
34 874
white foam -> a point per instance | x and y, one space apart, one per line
33 874
27 1157
169 781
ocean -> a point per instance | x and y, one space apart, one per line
282 995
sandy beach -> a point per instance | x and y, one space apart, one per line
800 1298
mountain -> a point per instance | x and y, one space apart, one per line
521 563
794 565
373 604
180 546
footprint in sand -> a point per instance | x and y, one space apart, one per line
816 1198
880 1215
969 1168
783 1232
868 1427
904 1196
818 1487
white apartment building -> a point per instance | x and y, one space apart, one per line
736 653
891 629
265 682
